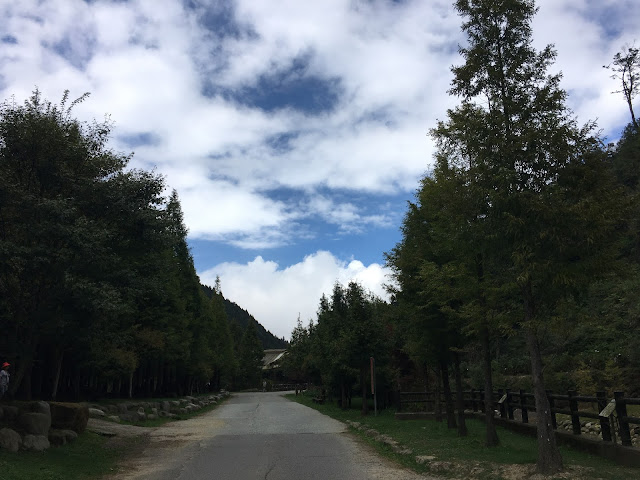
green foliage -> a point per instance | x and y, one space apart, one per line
250 358
96 279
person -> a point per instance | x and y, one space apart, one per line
4 379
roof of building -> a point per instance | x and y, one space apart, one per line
272 358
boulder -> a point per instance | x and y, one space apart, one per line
166 406
9 412
114 418
40 407
123 407
61 437
10 440
96 413
35 423
35 443
69 416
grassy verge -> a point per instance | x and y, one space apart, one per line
446 454
89 456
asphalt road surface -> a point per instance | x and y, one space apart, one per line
259 436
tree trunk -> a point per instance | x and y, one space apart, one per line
448 400
462 424
491 439
437 406
59 354
343 397
549 458
363 382
131 384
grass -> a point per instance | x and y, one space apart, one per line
465 457
89 456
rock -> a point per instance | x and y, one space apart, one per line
40 407
422 459
154 411
152 416
123 407
61 437
69 416
10 440
9 412
114 418
35 423
141 414
96 413
175 403
35 443
166 406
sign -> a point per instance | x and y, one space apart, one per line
609 409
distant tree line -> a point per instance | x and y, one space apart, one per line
519 258
98 291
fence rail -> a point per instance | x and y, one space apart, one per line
505 402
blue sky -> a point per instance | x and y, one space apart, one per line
294 131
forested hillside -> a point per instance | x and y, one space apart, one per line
239 318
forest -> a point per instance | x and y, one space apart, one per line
98 292
518 265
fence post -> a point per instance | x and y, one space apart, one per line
621 410
554 423
523 407
575 416
501 406
509 404
605 428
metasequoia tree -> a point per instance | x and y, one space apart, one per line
540 182
626 68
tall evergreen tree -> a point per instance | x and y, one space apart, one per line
539 180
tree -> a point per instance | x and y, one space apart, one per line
540 182
626 68
250 357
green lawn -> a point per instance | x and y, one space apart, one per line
89 456
466 457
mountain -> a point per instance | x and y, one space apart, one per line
238 319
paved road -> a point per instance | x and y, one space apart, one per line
260 436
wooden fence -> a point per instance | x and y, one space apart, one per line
506 402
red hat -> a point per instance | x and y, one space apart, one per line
6 364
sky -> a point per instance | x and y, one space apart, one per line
294 131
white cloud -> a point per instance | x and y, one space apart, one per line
146 63
275 296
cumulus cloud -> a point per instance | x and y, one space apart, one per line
276 295
284 121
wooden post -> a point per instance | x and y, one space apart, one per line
575 416
509 402
523 407
503 411
551 407
621 410
605 427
